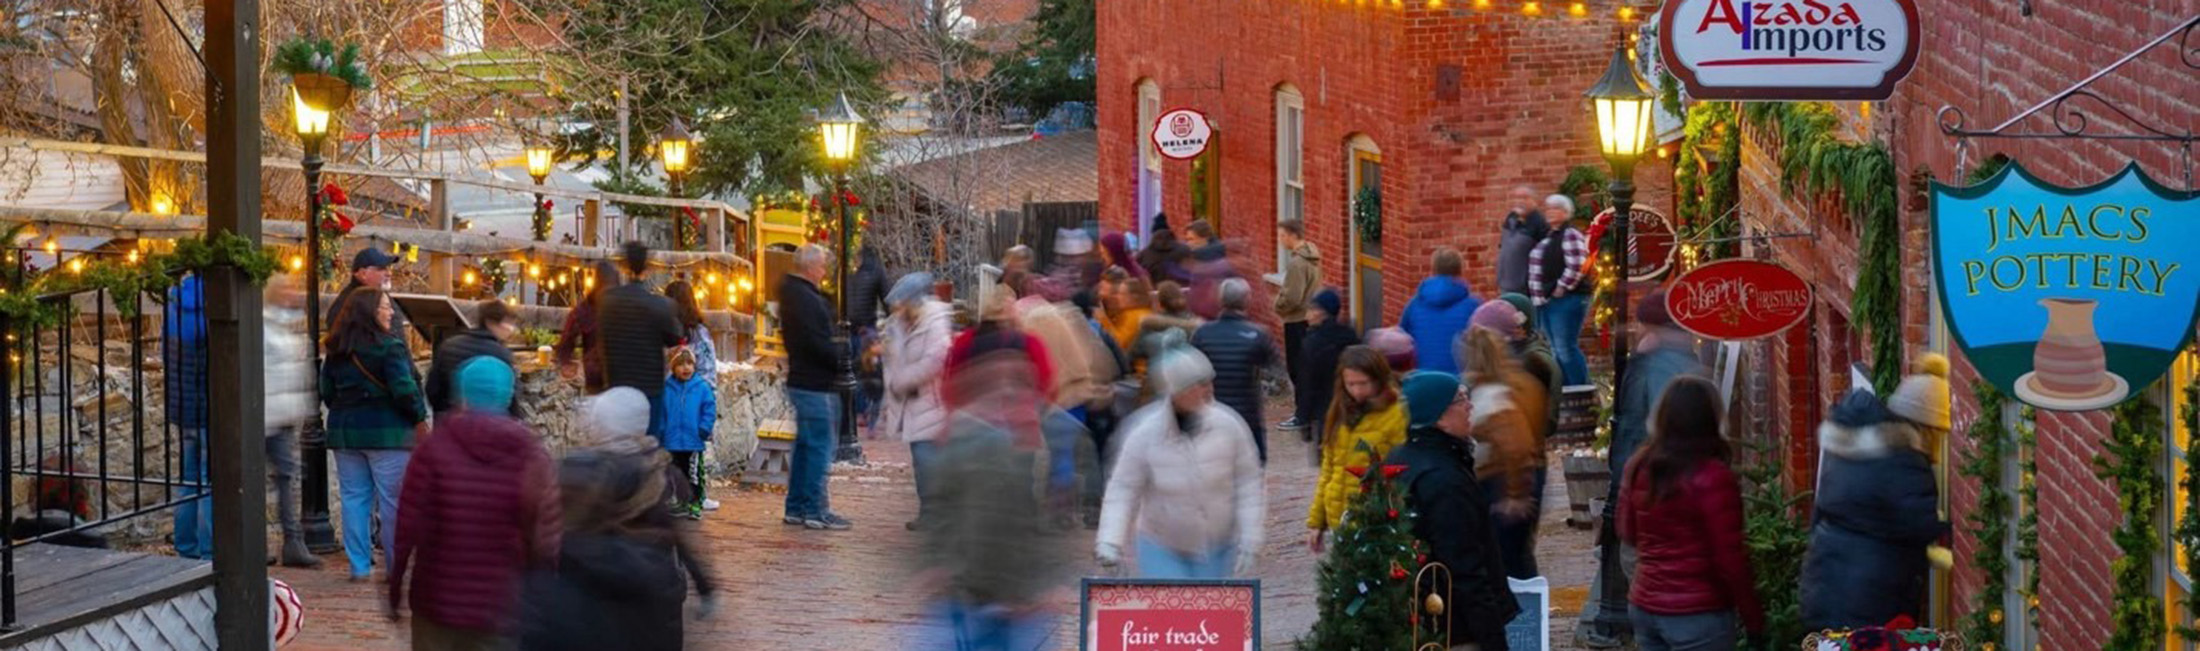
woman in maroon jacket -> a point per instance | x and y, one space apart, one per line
1681 508
480 509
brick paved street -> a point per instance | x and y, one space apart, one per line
787 588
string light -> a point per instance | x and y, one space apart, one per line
534 271
133 257
76 266
1626 12
297 263
1579 9
1532 9
53 246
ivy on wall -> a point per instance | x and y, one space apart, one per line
2133 448
1706 183
2188 528
1989 519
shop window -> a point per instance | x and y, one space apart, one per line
1290 161
1149 158
2177 575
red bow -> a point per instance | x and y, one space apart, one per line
334 196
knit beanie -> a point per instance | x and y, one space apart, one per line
1858 409
1179 368
1428 395
1651 311
618 415
911 287
1328 300
1923 398
1499 317
1395 345
1521 303
485 385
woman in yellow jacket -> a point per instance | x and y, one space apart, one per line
1127 317
1366 412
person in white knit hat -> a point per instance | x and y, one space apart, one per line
1188 469
1877 504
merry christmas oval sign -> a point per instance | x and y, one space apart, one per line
1738 299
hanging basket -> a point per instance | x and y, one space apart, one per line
321 92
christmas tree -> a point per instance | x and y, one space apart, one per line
1366 595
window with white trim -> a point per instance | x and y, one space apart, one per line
2177 577
1290 162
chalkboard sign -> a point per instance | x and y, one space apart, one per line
1531 629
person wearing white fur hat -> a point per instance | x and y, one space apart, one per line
1878 504
1188 470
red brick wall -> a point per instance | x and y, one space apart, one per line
1363 69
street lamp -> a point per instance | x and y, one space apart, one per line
538 166
1622 106
840 129
675 147
311 125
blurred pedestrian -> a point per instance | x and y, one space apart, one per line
494 324
1016 273
1877 506
1325 342
1508 451
1116 252
1681 510
806 327
914 342
1369 420
1239 350
1188 472
1302 278
481 508
290 404
639 328
690 404
1452 519
1117 386
1554 283
1128 319
867 287
688 311
375 411
1439 311
1397 346
1172 311
1528 346
184 365
1210 266
581 332
1082 373
1165 258
1518 234
625 564
1076 267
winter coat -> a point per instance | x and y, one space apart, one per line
915 360
1452 521
1125 325
806 329
620 590
453 353
1647 374
1877 509
372 400
580 332
1072 353
867 291
1302 278
637 325
398 322
1438 312
1192 492
289 393
1379 431
1692 558
1534 354
480 507
987 540
1516 238
1238 349
183 353
1165 258
1210 266
1507 443
691 413
1323 346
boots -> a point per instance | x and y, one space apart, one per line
295 553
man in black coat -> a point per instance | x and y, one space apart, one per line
1450 517
867 287
1325 343
1238 349
806 328
637 325
493 325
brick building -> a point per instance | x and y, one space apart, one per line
1992 60
1444 106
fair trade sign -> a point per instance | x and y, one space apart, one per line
1170 615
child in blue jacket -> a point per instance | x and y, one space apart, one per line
691 411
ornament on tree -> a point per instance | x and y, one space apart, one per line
1366 601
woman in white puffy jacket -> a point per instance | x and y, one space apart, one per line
913 351
290 403
1188 470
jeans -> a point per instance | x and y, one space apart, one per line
1156 561
431 636
924 459
1061 431
368 481
282 469
814 439
1562 319
1716 631
194 525
960 626
1516 538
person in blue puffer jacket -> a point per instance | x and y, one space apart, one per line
691 411
1438 312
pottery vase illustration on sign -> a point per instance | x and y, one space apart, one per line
2069 366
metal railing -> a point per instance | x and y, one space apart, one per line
44 436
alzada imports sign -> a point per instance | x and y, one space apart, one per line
2070 299
1182 134
1789 49
1735 300
1170 615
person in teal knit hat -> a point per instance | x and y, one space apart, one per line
1450 516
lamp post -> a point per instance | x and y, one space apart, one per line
840 128
675 147
538 166
1622 104
311 125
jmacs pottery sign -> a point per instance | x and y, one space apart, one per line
1789 49
2070 299
1735 300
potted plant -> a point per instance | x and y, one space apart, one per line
323 75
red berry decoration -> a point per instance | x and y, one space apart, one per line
1393 514
1397 572
1421 558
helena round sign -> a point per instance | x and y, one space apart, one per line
1182 134
1738 300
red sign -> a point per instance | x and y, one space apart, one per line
1171 615
1650 242
1738 299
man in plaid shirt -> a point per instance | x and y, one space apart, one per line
1554 279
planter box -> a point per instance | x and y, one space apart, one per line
1588 481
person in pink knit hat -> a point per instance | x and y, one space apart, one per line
1395 345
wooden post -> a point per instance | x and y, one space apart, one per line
441 267
592 221
716 228
235 397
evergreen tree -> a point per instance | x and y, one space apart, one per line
1366 593
1055 63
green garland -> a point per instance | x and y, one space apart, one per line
2133 447
1815 162
26 304
1990 517
1367 214
1590 188
1705 202
321 56
2028 520
2188 528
